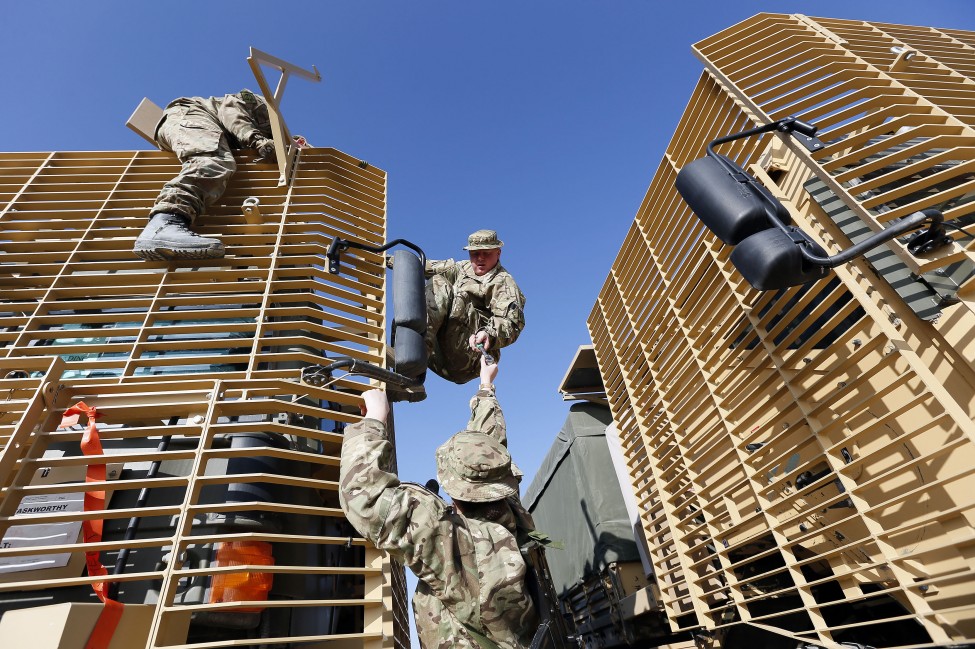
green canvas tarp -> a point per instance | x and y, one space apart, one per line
575 498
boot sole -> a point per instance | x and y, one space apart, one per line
161 253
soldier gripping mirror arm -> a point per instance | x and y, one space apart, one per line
471 589
470 303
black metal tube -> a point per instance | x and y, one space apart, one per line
412 246
371 371
774 126
133 526
785 125
338 245
805 128
906 224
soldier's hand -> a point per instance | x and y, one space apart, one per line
480 338
376 405
265 150
488 371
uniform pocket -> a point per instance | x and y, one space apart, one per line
189 137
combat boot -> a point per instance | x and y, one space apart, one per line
168 236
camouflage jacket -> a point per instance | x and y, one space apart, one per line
470 572
495 296
243 115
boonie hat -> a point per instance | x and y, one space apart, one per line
474 467
483 240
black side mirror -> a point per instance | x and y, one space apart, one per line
773 259
732 204
770 252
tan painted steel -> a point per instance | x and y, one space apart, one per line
285 149
198 350
798 454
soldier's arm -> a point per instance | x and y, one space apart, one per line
507 314
407 521
235 115
446 267
486 414
487 417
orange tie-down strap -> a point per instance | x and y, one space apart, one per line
108 619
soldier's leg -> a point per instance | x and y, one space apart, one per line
461 363
439 295
208 164
448 330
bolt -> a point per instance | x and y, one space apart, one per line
856 343
197 419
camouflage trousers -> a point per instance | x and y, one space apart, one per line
451 319
201 145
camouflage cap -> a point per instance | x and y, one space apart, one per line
475 467
483 240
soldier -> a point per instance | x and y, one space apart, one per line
471 303
471 591
203 133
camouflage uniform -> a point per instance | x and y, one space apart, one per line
460 303
470 570
203 133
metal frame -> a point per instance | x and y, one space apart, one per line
284 147
217 344
801 452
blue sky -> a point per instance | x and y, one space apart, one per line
542 119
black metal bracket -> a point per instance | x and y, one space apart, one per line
811 142
923 242
791 125
338 245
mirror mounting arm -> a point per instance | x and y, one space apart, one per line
338 245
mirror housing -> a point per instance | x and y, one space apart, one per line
772 260
732 205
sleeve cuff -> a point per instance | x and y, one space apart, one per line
366 425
